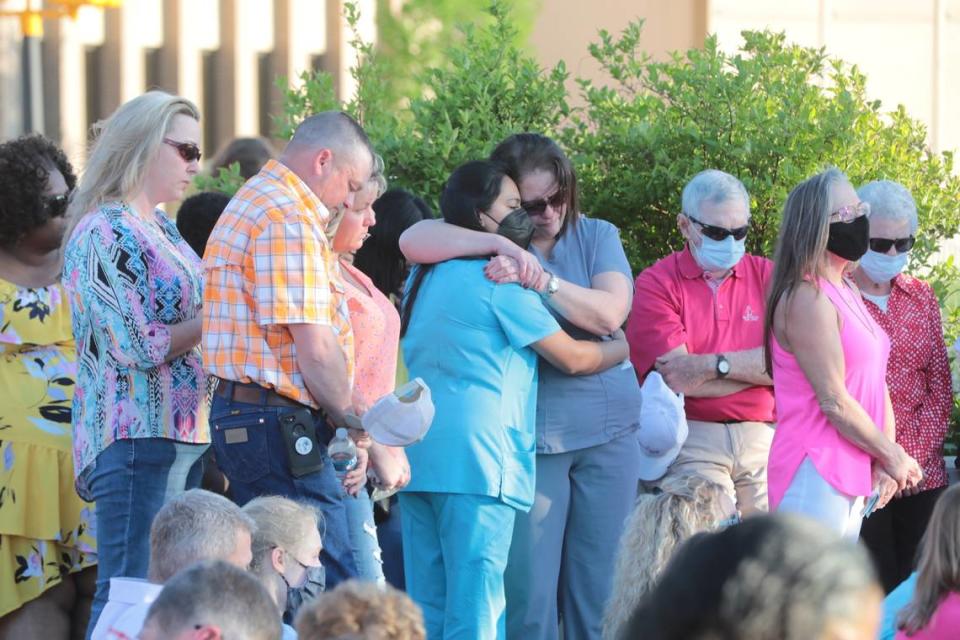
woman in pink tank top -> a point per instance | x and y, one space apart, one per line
834 444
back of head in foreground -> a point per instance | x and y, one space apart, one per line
195 526
659 524
212 601
772 577
357 610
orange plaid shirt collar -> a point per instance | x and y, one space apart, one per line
268 264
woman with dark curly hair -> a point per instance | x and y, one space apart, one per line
47 553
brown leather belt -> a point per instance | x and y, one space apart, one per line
252 393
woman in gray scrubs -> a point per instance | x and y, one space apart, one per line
562 553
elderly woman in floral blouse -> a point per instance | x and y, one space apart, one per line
139 410
918 374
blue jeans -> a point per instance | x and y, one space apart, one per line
130 482
363 537
257 466
391 542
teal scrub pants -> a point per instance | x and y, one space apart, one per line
455 549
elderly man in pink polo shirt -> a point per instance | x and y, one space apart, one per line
698 319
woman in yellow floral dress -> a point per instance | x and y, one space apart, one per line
47 541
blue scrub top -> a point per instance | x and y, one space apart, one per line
469 340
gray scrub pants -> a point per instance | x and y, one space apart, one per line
563 551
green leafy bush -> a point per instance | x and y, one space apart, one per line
771 113
945 278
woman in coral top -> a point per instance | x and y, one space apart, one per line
376 325
834 445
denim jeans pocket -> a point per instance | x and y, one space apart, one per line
241 446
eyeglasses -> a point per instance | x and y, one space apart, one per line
539 206
56 206
851 212
902 245
187 150
720 233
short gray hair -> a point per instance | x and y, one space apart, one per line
712 186
890 200
215 593
194 526
332 130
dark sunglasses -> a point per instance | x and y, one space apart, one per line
56 206
882 245
539 206
187 150
720 233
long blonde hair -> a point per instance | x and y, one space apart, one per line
651 534
121 149
938 571
801 245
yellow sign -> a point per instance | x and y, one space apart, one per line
31 20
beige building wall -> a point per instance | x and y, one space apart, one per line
564 29
225 55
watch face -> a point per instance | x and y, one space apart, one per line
723 367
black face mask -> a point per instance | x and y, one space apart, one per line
849 240
516 226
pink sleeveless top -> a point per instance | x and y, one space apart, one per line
802 428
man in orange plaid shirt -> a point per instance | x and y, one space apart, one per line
276 333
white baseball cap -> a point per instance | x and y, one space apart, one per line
663 427
402 417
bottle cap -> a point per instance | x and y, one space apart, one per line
342 433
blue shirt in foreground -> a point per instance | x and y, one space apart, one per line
469 340
893 603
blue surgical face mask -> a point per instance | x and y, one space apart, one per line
718 255
881 267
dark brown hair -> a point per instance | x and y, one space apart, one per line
524 153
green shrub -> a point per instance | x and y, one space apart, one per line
945 278
772 114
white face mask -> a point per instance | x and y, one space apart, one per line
881 267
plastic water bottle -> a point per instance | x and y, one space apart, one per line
343 453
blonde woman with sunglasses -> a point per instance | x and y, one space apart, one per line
139 410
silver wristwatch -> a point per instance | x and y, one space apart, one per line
553 285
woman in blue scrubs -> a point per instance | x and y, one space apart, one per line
476 345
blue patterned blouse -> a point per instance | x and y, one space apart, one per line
128 278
